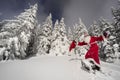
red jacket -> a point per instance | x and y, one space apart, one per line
93 50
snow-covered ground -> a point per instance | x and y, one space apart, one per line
54 68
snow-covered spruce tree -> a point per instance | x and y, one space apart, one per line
25 33
94 30
59 45
106 49
45 36
116 23
70 34
32 46
17 33
64 39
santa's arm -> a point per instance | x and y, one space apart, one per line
104 36
82 43
100 38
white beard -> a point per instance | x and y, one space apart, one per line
87 39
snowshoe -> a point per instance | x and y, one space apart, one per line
94 66
89 65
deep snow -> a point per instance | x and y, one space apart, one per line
54 68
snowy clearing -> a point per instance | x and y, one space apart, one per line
54 68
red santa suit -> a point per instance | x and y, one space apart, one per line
93 50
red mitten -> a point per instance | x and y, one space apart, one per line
72 45
105 34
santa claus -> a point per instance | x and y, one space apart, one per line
91 41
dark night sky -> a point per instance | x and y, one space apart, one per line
71 10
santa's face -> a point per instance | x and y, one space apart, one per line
85 34
87 39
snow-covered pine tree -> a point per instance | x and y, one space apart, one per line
70 34
60 45
45 36
32 47
17 33
64 40
94 29
28 23
116 23
55 32
107 50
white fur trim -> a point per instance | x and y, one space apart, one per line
90 59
